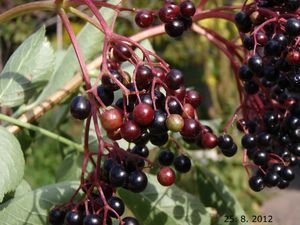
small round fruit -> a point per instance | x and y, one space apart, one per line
188 111
159 140
230 151
166 176
143 114
175 28
255 64
209 140
174 79
260 157
249 141
106 96
168 13
144 18
144 77
182 164
130 221
193 97
130 131
256 183
137 181
292 27
92 220
121 52
111 119
116 204
174 106
175 122
225 141
191 128
73 218
80 108
166 157
117 175
271 179
187 8
56 216
140 150
158 125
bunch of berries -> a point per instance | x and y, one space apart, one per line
177 18
270 80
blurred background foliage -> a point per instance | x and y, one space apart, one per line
206 69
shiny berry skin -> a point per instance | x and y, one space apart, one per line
166 176
230 151
179 93
272 48
256 183
106 96
251 87
287 173
144 77
175 28
116 204
292 27
249 141
283 184
264 139
56 216
160 139
159 73
260 157
187 8
140 150
130 131
143 114
243 22
166 157
143 139
121 52
209 140
73 218
175 122
188 111
248 43
111 119
182 164
130 221
255 64
261 38
158 125
109 84
137 181
190 129
193 97
80 108
168 13
245 73
225 141
271 179
174 106
144 18
174 79
117 175
92 220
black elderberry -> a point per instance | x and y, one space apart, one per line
230 151
243 22
92 220
116 204
73 218
248 43
260 157
159 140
175 28
106 96
117 175
56 216
182 164
137 181
251 87
264 139
130 221
271 179
80 107
249 141
287 173
256 183
292 27
255 64
166 158
141 150
245 73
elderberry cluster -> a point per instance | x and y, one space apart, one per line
270 80
177 18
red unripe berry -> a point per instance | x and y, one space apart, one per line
143 114
166 176
114 134
191 128
187 8
179 93
130 131
121 52
188 111
144 77
293 57
193 97
168 13
261 38
209 140
144 18
159 73
111 119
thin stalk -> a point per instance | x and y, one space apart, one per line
42 131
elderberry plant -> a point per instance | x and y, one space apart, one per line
152 102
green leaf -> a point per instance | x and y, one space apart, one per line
70 169
11 163
23 188
90 40
33 207
27 69
214 193
165 205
